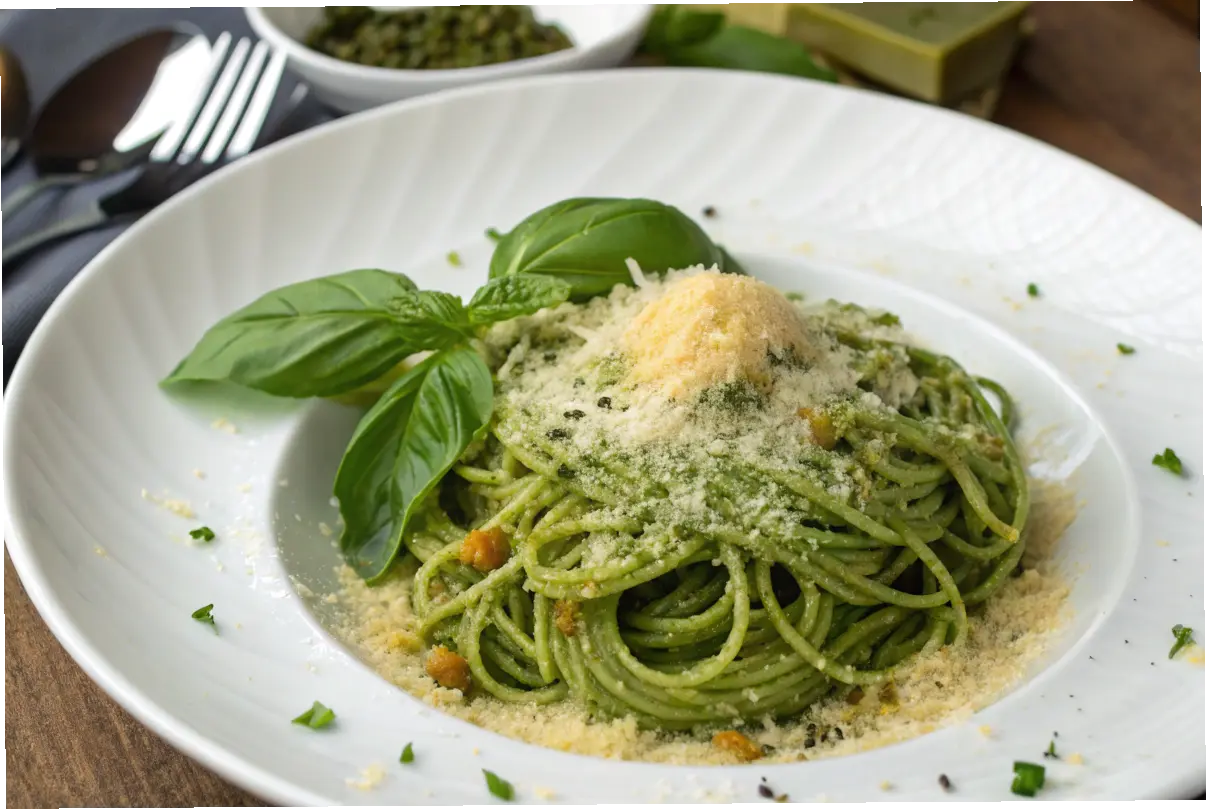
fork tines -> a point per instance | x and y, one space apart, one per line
230 108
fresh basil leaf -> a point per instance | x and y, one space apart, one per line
514 296
736 47
402 448
321 337
674 26
586 242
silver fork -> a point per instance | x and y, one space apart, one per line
222 126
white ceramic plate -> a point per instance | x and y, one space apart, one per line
940 217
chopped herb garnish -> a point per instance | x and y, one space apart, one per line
1168 460
709 212
408 753
1050 752
204 533
945 783
493 234
794 296
498 787
204 616
1184 636
1123 348
1032 290
1028 779
886 319
318 716
454 258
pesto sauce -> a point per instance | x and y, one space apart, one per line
434 37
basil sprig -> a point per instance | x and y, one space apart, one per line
587 241
348 333
685 37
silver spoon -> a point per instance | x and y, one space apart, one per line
14 106
108 116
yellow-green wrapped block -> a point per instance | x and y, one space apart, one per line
938 52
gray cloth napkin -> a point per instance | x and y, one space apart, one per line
52 45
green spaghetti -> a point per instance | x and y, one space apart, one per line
737 551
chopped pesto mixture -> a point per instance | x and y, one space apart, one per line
434 37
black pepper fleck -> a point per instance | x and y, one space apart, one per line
945 783
574 415
604 402
766 792
558 434
709 212
564 471
549 356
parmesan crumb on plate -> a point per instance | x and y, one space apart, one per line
224 424
369 778
1075 758
180 508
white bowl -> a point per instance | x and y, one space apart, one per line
603 36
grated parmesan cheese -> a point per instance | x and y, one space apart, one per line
180 508
711 328
225 425
370 777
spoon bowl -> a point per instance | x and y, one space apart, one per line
109 115
14 106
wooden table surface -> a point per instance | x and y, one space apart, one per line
1115 83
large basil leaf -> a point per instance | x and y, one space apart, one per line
736 47
586 242
322 337
402 448
514 296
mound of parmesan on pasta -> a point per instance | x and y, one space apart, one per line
709 329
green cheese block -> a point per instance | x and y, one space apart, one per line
938 52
